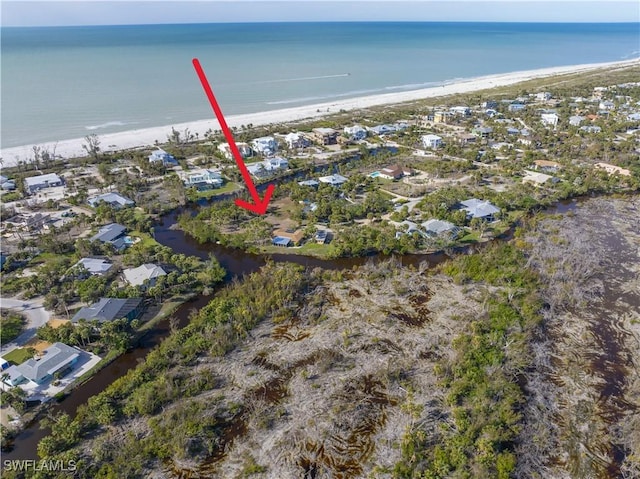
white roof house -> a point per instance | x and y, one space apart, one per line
535 177
575 120
334 180
244 149
431 141
460 110
35 183
550 119
296 140
355 132
476 208
266 145
202 176
146 272
115 199
435 227
95 266
268 167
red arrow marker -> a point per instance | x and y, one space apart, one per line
258 206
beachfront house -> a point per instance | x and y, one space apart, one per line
431 141
33 184
114 199
325 136
110 309
482 209
202 179
54 360
113 234
381 130
161 156
355 132
460 110
543 96
144 275
297 140
265 146
245 150
550 119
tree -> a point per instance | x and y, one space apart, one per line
92 146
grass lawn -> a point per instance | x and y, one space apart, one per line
145 239
309 249
18 356
226 188
470 237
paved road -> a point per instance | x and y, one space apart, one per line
36 316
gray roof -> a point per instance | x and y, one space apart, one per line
94 265
479 208
109 233
137 276
114 199
107 309
438 226
55 357
334 179
42 179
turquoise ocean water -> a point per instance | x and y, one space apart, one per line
66 82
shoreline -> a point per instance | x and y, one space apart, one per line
147 137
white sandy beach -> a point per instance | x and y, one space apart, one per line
148 136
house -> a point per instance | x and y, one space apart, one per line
56 358
266 145
161 156
8 185
297 140
441 117
321 237
355 132
516 107
476 208
630 117
382 130
590 129
202 179
325 136
393 172
536 178
606 105
499 145
144 275
113 234
93 266
295 237
431 141
613 169
460 110
543 96
34 184
547 166
311 183
467 138
114 199
268 167
333 180
575 120
489 104
436 228
550 119
245 150
110 309
28 222
12 376
483 131
281 241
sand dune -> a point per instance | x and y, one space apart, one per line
148 136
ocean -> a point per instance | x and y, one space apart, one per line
66 82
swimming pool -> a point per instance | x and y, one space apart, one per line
375 174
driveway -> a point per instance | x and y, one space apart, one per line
36 316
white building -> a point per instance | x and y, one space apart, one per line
431 141
201 177
268 167
37 183
550 119
355 132
244 149
297 140
266 145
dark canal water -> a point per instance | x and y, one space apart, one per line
237 263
